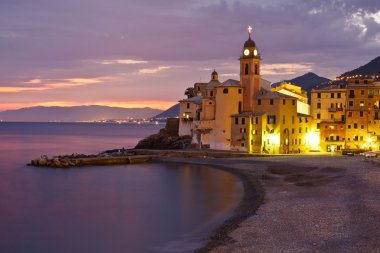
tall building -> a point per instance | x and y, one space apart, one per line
347 114
247 116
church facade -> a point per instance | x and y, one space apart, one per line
247 115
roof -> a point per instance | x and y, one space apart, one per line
230 83
249 43
245 114
213 84
274 95
195 100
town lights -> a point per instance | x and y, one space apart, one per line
312 139
274 139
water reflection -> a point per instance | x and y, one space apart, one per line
134 208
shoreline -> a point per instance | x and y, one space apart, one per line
252 199
312 204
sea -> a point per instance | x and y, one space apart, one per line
152 207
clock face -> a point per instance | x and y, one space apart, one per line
255 52
246 52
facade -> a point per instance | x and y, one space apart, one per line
348 114
247 116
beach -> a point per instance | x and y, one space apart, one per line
303 204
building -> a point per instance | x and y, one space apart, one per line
246 116
347 114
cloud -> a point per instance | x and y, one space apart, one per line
48 84
285 68
154 70
125 61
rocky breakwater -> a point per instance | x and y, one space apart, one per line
110 157
166 138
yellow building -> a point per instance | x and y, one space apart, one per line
348 114
246 116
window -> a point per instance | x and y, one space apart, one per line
338 95
300 119
352 94
362 126
351 103
299 130
318 95
257 120
361 103
361 138
236 121
376 92
332 116
225 90
188 106
283 101
242 121
243 130
361 113
332 95
199 88
271 119
239 91
292 130
271 101
349 126
211 93
239 107
332 105
318 115
350 114
305 129
242 144
246 69
318 125
256 69
361 92
283 119
318 105
259 101
254 132
355 125
293 102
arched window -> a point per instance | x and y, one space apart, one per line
225 90
246 69
239 107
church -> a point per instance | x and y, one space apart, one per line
248 115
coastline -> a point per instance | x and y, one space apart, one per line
311 204
253 197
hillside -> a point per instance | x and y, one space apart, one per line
169 113
307 81
75 113
371 68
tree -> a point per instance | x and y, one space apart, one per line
190 92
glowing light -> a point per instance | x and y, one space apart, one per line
274 139
312 139
250 30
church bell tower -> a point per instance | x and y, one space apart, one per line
250 78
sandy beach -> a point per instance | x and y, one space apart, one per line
301 204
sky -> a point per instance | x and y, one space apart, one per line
145 53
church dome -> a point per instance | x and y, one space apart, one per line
249 43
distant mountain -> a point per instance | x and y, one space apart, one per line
307 81
75 113
169 113
371 68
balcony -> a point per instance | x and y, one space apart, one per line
351 96
370 95
331 109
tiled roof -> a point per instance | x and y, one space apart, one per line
195 100
274 95
230 83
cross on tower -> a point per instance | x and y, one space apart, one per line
250 30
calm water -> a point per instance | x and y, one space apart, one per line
130 208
